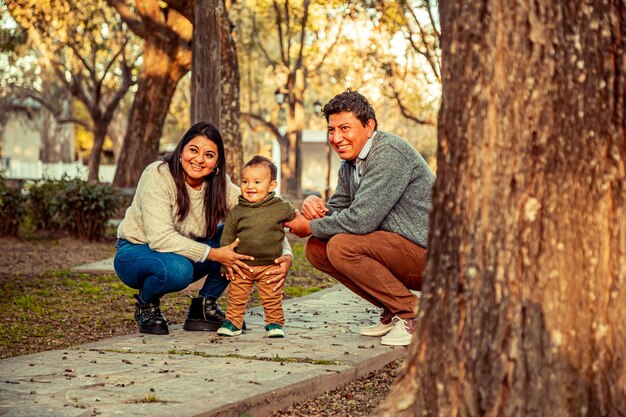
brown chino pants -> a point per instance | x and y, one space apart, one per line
380 267
239 295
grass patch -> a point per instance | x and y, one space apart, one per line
89 288
293 291
9 334
59 309
29 303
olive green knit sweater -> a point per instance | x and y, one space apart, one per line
259 227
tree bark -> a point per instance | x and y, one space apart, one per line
524 302
205 77
229 69
230 114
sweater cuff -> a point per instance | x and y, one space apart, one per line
313 227
197 252
206 254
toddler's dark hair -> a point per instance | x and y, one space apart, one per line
261 160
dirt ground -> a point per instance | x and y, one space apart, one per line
45 306
33 256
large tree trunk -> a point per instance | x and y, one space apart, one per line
205 74
230 109
147 116
524 301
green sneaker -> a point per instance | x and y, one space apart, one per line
274 330
228 329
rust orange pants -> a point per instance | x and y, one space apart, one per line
381 267
239 295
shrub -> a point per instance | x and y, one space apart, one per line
11 209
39 196
84 208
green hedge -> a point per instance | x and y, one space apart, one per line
11 209
39 196
84 208
73 205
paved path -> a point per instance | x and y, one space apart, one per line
104 266
199 373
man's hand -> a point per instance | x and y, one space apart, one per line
299 226
314 207
279 274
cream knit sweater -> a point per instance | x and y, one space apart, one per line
151 218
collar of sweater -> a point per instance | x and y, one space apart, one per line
267 201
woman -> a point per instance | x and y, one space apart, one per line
170 234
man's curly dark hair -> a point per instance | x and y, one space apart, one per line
351 101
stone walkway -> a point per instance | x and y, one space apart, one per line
199 373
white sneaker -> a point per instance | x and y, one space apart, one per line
379 329
401 334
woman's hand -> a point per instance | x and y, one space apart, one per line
233 261
313 207
279 273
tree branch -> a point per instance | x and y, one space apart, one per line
305 18
317 67
405 111
255 39
281 41
112 61
119 94
22 92
129 17
265 126
429 49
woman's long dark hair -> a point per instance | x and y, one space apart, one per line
215 205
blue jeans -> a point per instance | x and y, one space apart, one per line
155 274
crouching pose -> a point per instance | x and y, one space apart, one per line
372 234
170 234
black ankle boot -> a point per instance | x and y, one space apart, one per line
149 317
204 314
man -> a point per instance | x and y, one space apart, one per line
372 235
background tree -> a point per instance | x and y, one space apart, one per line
86 47
25 74
229 108
205 74
411 70
167 30
292 52
523 305
166 59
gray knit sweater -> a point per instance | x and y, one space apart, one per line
393 194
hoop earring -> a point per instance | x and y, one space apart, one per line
216 171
